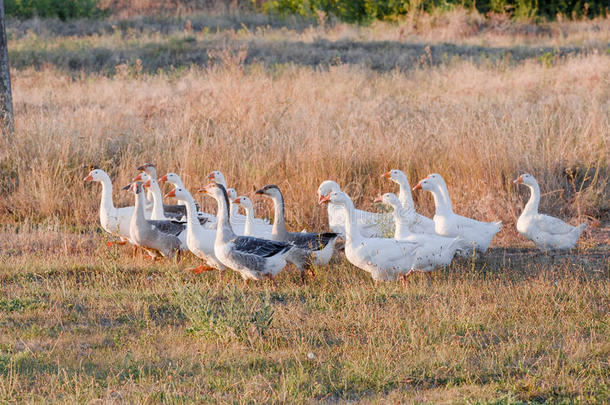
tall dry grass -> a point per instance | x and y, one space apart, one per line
479 126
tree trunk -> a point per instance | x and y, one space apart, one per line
6 99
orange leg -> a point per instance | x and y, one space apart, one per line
201 269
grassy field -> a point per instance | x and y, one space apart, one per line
269 101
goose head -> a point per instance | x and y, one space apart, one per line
96 175
244 202
135 187
149 169
217 177
336 197
397 176
326 187
171 178
179 194
216 191
270 190
143 177
429 183
526 179
389 199
232 194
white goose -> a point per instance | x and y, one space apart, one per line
436 251
238 221
160 210
253 258
447 223
176 181
114 220
252 228
417 223
385 259
370 224
199 240
545 231
158 238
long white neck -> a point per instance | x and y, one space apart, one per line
352 232
442 202
249 221
279 226
531 208
106 204
224 231
401 231
234 209
138 219
157 212
404 194
192 220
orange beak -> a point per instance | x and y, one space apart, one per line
378 199
518 180
147 184
386 175
211 176
138 177
88 178
323 199
203 190
236 201
417 186
162 179
171 193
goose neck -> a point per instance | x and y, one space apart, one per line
279 224
532 205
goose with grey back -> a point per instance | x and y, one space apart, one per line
447 223
311 249
546 232
253 258
436 251
416 223
370 224
158 238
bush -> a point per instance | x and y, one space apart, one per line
367 10
63 9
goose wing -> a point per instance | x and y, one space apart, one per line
259 247
169 227
311 241
553 225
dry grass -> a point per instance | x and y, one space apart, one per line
80 322
479 126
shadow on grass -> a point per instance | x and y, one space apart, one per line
179 52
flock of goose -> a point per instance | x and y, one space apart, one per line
257 249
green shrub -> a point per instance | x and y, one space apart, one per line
367 10
63 9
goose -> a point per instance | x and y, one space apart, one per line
416 222
252 228
114 220
158 238
385 259
176 181
436 251
199 240
238 221
253 258
370 224
311 249
447 223
545 231
148 171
